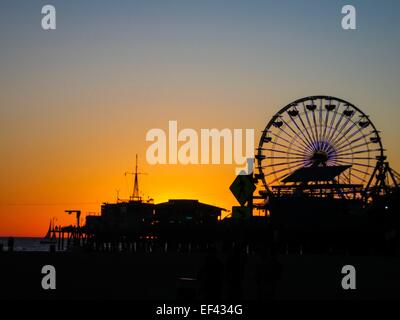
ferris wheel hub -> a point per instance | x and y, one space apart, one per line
319 157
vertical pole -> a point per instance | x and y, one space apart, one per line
59 239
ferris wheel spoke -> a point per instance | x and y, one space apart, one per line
342 133
284 169
337 124
327 147
348 135
339 130
301 146
342 148
320 119
277 157
356 136
326 122
335 113
283 163
355 140
288 147
315 128
357 163
340 137
355 152
280 177
273 165
309 142
315 140
297 134
310 137
346 178
343 176
360 171
353 174
357 177
303 154
356 131
277 136
285 152
325 125
360 138
284 148
287 134
356 158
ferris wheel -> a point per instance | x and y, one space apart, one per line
315 132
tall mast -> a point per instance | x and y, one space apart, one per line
135 195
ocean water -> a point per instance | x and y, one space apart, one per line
25 244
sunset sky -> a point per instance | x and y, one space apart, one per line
76 103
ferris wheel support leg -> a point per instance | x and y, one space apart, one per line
368 194
391 173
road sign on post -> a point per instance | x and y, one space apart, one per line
242 188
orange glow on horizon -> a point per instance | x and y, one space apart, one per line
30 215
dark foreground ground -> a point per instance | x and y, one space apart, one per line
176 276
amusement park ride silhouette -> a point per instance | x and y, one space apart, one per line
323 146
321 171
